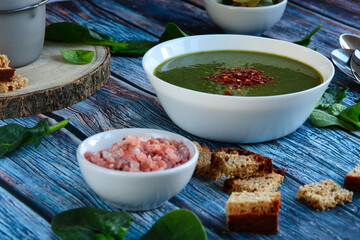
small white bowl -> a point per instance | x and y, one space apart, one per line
244 20
135 191
236 119
22 30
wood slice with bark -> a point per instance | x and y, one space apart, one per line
55 83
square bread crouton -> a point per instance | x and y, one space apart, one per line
352 180
9 79
6 74
253 212
4 61
241 163
16 82
268 182
324 195
204 166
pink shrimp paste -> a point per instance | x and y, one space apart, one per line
141 154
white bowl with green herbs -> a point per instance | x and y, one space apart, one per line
254 18
237 119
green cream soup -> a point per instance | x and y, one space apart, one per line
216 71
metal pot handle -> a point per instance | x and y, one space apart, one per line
24 8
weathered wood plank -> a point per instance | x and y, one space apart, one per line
84 13
347 12
336 10
158 13
133 72
118 105
295 23
300 144
297 220
17 221
300 160
100 21
49 175
199 193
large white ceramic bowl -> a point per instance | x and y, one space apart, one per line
135 191
236 118
244 20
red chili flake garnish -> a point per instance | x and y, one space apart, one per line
240 77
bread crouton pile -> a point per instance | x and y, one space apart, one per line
9 79
253 205
244 170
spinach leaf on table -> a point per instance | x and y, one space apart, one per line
91 223
95 224
172 31
179 224
336 109
305 41
139 48
351 114
77 56
74 33
337 114
132 48
332 95
14 135
323 119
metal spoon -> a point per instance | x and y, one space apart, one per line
341 58
352 42
355 64
349 41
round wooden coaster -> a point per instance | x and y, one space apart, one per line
55 83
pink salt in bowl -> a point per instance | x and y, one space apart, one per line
135 191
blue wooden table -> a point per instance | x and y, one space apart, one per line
36 184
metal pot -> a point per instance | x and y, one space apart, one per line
22 30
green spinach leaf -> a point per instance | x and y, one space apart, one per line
14 135
77 56
336 109
305 41
132 48
243 3
177 225
139 48
91 223
265 3
95 224
75 33
172 31
323 119
332 95
351 114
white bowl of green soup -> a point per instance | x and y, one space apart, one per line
237 88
